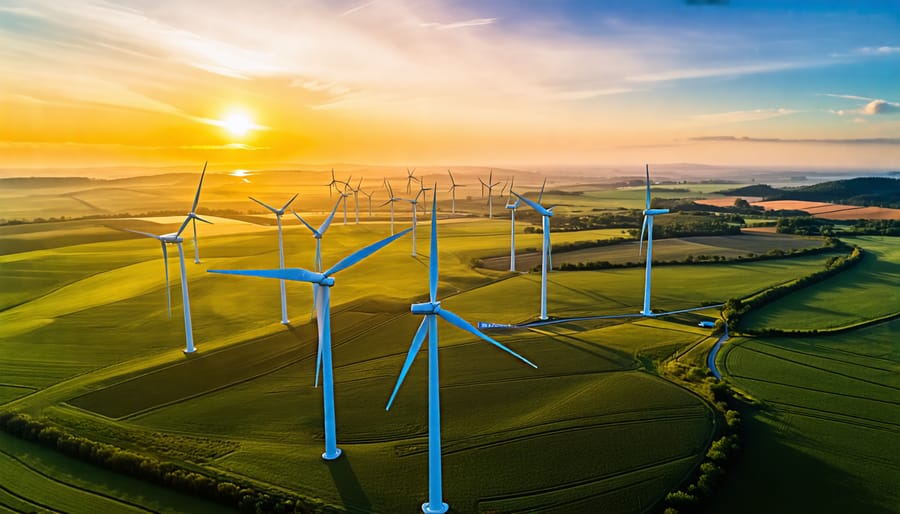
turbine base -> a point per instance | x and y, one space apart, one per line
646 313
188 352
337 453
285 322
426 508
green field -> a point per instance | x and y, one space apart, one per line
86 342
832 418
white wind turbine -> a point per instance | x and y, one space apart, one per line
410 179
431 311
369 195
193 216
391 200
490 185
512 206
355 192
648 225
319 234
278 214
413 202
546 213
453 186
176 239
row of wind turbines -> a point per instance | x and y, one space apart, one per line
323 281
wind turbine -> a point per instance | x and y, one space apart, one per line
410 178
278 214
176 239
331 185
512 226
413 202
369 195
345 194
453 186
422 190
319 234
648 225
432 310
325 283
391 200
546 213
356 199
490 185
193 216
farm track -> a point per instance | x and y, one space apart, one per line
66 484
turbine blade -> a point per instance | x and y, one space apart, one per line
168 290
319 312
433 258
542 211
198 218
359 255
289 202
457 321
410 357
197 196
274 210
647 169
541 196
327 222
295 274
145 234
187 219
641 240
304 222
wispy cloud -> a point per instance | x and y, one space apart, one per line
718 71
743 116
873 106
878 50
459 24
358 8
859 141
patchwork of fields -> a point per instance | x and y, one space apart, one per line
86 341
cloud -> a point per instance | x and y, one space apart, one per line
743 116
881 107
357 8
878 50
847 97
460 24
744 139
718 71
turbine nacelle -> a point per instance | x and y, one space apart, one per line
425 308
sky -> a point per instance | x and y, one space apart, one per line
515 83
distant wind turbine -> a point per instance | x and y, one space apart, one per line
546 213
176 239
453 186
193 216
333 184
356 199
278 214
431 310
410 179
422 190
512 206
413 202
325 282
490 185
369 195
648 225
319 234
345 194
391 200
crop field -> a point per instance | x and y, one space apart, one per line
86 341
867 291
664 249
832 417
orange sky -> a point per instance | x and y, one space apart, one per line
432 82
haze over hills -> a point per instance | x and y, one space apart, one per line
864 191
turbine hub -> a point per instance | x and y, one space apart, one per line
425 308
326 281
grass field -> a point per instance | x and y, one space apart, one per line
86 342
832 418
867 291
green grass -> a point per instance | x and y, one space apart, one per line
864 292
831 415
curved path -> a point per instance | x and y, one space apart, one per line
711 359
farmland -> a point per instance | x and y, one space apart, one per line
87 344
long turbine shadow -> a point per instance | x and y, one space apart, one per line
352 495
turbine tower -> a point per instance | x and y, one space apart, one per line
369 195
325 282
193 216
413 202
355 192
278 214
453 186
512 206
490 185
422 190
648 225
431 310
391 200
345 194
546 213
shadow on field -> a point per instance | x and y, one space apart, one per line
773 474
352 494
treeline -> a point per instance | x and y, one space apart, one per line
624 218
678 225
831 244
150 214
243 497
735 308
820 226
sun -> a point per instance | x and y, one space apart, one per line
238 124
